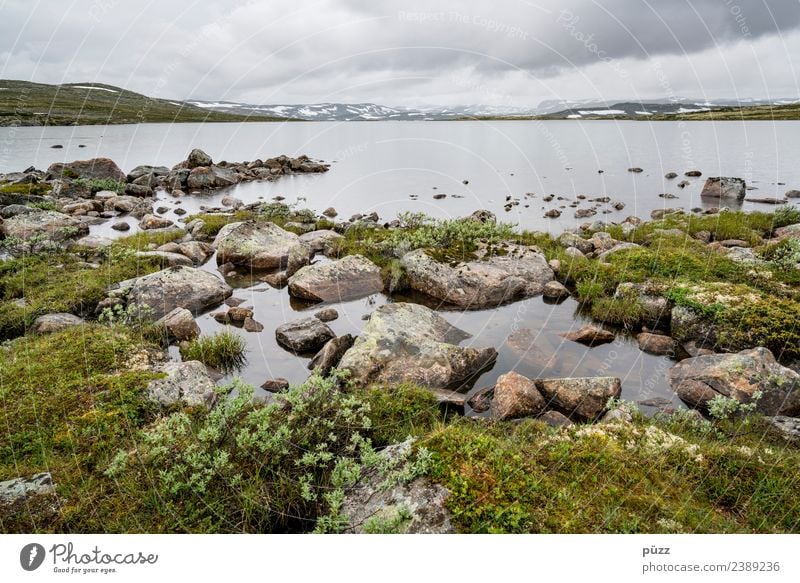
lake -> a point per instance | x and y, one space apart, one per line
377 166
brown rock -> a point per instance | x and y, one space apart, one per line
581 397
590 335
516 396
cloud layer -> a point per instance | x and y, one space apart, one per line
507 52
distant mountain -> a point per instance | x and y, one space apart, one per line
35 104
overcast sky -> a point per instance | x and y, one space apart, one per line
413 53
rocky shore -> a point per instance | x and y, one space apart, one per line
714 292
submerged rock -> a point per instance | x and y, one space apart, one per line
411 343
178 287
254 245
590 335
739 376
521 272
348 278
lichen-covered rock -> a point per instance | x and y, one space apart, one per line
185 383
416 507
93 169
740 376
49 323
303 336
349 278
521 272
179 325
254 245
178 287
516 396
52 225
411 343
584 398
299 256
331 354
18 489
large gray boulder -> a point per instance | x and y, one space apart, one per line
584 398
198 157
521 272
254 245
349 278
411 343
186 383
52 225
724 187
178 287
94 169
415 507
739 376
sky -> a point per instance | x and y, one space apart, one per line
504 53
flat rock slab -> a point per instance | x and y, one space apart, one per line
405 342
349 278
49 323
584 398
178 287
520 272
12 491
186 383
738 376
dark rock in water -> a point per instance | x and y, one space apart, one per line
184 287
57 146
327 315
349 278
49 323
670 175
330 355
121 226
552 214
792 194
483 216
590 336
683 184
439 196
585 398
693 173
739 376
417 507
303 336
411 343
198 158
276 385
93 169
481 401
251 325
201 178
667 195
330 212
635 170
584 213
767 200
723 187
516 396
655 343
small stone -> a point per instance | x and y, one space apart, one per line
590 335
516 396
251 325
327 315
276 385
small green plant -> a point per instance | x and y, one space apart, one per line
132 315
786 215
98 184
784 256
44 205
722 407
224 351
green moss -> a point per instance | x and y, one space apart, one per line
771 322
99 184
400 411
613 478
69 401
32 189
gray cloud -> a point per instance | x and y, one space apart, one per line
413 52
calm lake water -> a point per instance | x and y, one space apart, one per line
377 166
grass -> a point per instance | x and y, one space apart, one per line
401 411
26 189
100 184
25 103
650 476
224 351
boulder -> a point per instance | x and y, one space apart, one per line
583 398
49 323
223 177
94 169
787 427
185 383
788 232
53 225
590 335
149 222
18 489
723 187
196 251
516 396
320 241
405 342
254 245
349 278
201 178
299 256
178 287
792 194
655 343
147 171
330 355
490 281
179 325
416 507
739 376
555 290
198 158
303 336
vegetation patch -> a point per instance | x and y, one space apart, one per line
224 351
